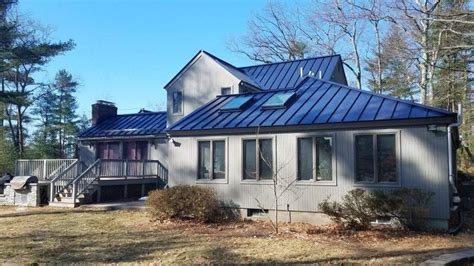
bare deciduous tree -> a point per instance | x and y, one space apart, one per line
428 24
273 35
281 184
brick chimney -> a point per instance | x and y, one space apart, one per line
101 110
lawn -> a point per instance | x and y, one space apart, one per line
45 235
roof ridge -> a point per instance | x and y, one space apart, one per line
290 61
227 64
147 113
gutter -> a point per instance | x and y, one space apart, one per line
456 200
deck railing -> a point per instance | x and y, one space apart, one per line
76 178
44 169
132 168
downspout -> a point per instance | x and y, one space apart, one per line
456 200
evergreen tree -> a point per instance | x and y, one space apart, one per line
66 108
56 112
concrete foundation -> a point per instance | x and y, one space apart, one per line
316 218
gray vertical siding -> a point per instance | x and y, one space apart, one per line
201 82
422 164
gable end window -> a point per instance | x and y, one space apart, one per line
315 158
226 90
257 159
211 160
376 158
177 102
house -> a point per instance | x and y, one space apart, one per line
235 128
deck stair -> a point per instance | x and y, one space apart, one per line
73 183
74 187
77 183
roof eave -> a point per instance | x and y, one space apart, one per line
102 138
329 126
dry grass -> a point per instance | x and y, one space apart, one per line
48 235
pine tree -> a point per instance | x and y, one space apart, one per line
58 121
66 109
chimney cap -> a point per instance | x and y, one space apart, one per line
105 102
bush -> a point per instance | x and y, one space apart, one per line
184 202
410 207
355 210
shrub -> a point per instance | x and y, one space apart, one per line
184 202
354 211
409 206
358 208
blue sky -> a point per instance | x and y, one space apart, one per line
127 50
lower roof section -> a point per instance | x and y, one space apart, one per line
316 104
128 126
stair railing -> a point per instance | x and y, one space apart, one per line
60 182
86 179
162 173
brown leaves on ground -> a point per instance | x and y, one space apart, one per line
47 235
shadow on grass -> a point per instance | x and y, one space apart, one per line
48 212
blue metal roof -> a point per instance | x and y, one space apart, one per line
140 124
287 74
234 71
317 102
275 75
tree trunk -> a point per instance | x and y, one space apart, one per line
356 56
20 136
379 60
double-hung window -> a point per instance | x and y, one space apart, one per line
376 158
177 102
257 159
315 158
212 160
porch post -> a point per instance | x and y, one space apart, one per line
44 169
74 190
51 191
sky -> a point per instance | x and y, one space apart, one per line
127 50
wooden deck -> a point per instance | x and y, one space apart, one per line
71 179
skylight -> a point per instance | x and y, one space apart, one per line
279 99
237 103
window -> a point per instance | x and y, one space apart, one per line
376 158
211 159
279 100
177 102
135 150
108 150
226 90
261 168
237 103
315 158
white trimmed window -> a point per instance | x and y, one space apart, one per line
226 90
211 160
257 159
177 102
376 158
316 158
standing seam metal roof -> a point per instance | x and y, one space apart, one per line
317 102
287 74
146 123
